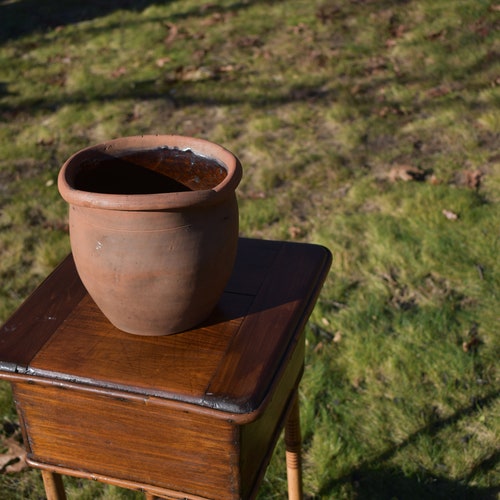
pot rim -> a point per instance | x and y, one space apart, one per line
156 201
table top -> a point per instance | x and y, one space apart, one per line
228 363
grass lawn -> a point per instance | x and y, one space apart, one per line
369 126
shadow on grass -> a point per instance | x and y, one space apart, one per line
22 17
371 480
387 483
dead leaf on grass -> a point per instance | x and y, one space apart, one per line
473 341
397 30
216 18
406 173
119 72
473 178
358 382
14 459
295 232
162 61
201 73
318 58
439 91
481 27
227 68
190 74
355 89
298 29
376 65
173 31
46 141
437 35
390 110
337 337
450 215
249 41
328 12
469 178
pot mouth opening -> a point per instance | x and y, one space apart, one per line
162 172
150 171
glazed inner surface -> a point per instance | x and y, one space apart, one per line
162 170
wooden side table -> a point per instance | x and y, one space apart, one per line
194 415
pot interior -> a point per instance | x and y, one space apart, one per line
151 171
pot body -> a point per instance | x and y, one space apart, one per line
154 271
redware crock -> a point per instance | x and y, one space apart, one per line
153 228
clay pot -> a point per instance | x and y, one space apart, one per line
153 228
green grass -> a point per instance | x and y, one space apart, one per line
324 102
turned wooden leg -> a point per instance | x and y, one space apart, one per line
54 487
293 446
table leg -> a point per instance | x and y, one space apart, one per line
54 487
293 459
